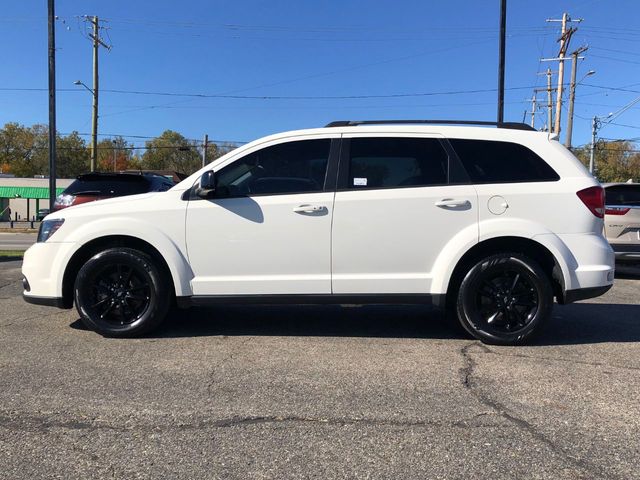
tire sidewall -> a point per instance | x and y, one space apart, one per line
144 265
467 311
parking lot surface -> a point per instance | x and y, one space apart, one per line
319 392
16 241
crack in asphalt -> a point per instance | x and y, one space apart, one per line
44 423
470 383
562 359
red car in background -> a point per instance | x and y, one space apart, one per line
97 186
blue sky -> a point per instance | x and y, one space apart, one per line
310 49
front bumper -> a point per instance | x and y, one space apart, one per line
43 268
46 301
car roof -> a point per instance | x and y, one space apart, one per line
125 177
619 184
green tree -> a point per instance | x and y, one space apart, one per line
614 161
24 150
216 150
72 156
172 151
114 150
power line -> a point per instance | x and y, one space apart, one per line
279 97
615 59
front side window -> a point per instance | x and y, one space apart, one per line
293 167
489 161
396 162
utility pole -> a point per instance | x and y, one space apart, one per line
595 125
97 42
549 89
533 111
52 103
565 38
503 30
572 92
549 101
205 145
115 144
94 110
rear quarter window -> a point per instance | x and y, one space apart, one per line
490 161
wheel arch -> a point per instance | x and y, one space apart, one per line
177 273
513 244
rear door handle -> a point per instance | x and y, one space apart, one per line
310 209
452 203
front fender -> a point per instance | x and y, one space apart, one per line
173 254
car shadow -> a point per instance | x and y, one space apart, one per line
628 271
404 321
575 324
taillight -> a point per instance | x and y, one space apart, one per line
616 210
593 198
63 200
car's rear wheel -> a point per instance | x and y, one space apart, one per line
504 299
122 292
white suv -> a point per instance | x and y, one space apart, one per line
491 223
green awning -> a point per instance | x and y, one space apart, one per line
27 192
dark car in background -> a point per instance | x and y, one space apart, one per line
622 219
98 186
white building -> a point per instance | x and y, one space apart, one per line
21 198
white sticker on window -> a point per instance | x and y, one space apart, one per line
360 181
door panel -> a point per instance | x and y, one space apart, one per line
260 245
387 241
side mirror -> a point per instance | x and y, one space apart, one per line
207 184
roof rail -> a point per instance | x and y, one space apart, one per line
353 123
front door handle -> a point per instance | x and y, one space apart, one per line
453 203
310 209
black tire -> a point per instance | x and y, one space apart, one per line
122 292
504 299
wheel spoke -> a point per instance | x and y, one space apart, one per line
494 317
107 310
100 302
138 287
515 281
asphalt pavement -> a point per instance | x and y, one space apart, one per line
241 392
17 241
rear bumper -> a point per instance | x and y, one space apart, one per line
625 251
571 296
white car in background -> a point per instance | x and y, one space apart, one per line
622 219
490 223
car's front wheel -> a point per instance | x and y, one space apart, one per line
504 299
122 292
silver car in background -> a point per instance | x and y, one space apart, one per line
622 219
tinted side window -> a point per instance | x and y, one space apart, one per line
293 167
623 195
396 162
489 161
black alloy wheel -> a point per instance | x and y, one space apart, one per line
504 299
121 292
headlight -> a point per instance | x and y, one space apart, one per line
48 228
64 200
